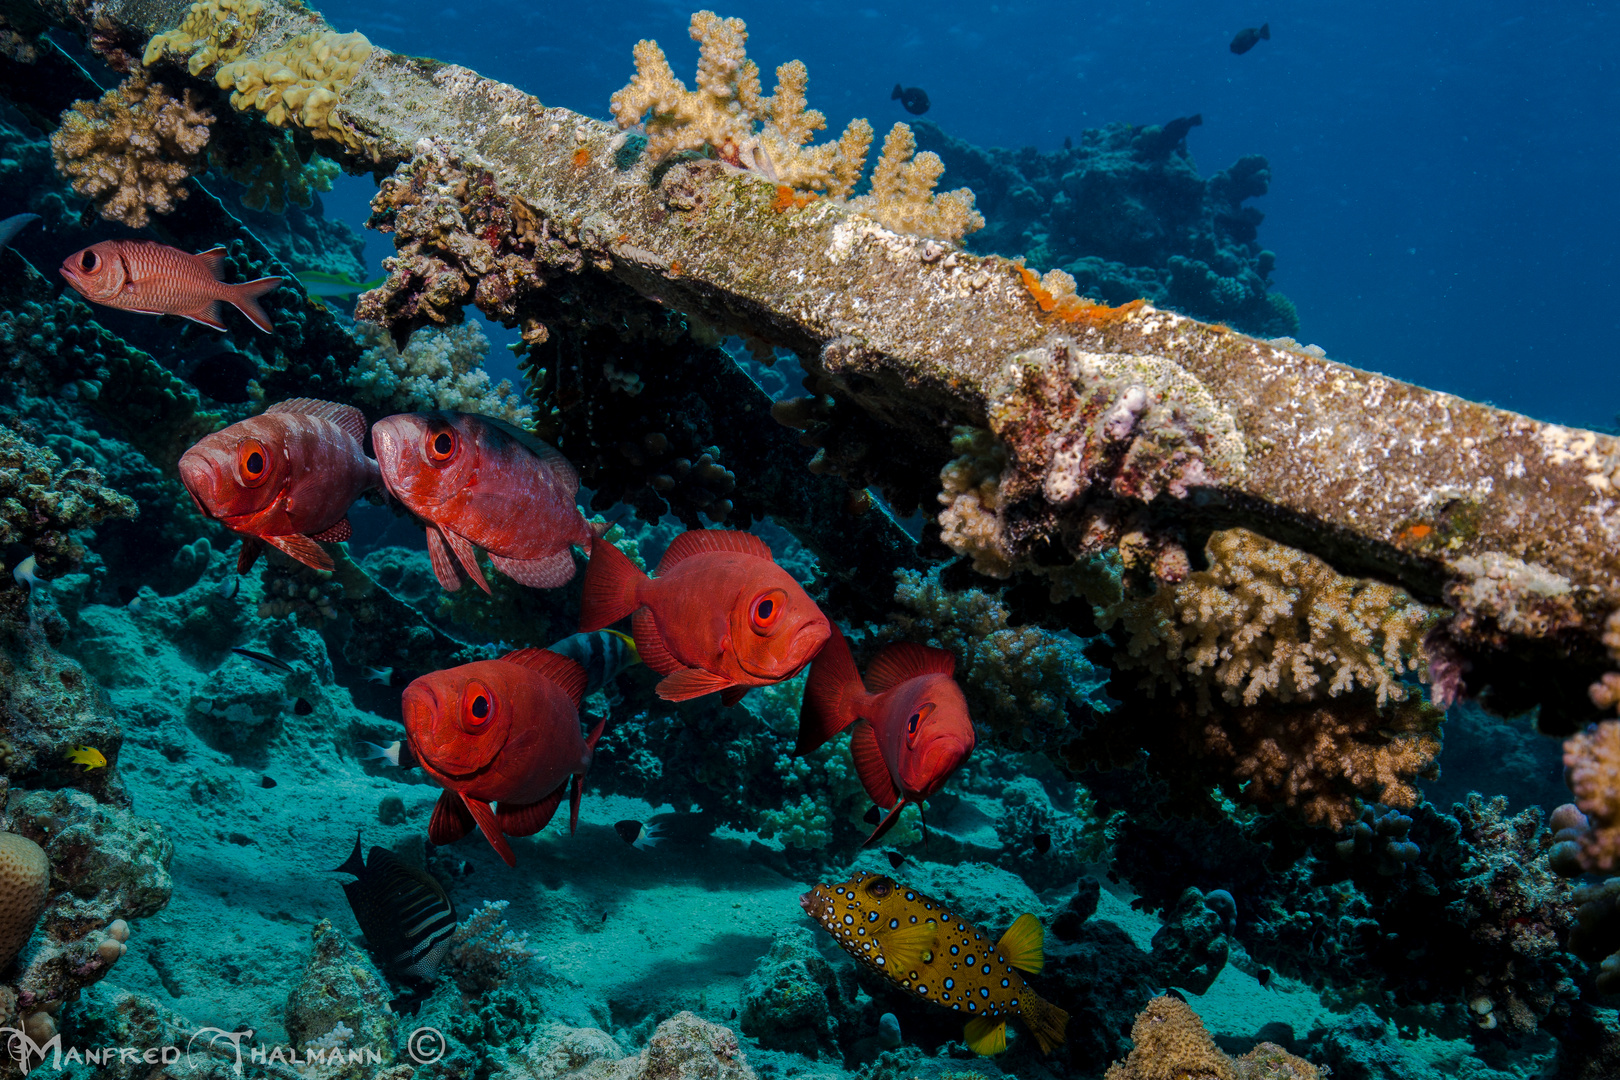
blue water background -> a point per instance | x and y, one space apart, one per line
1444 175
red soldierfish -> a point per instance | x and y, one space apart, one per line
156 279
720 615
911 725
478 481
286 477
501 731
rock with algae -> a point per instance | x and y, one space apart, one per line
132 152
44 502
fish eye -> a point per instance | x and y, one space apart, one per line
766 610
253 462
911 725
441 446
89 260
476 708
915 722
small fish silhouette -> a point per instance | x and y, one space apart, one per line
895 858
320 283
1043 842
264 660
914 98
1249 37
11 226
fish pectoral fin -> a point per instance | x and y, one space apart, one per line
249 554
904 947
688 683
466 555
450 821
207 315
485 817
303 549
1022 944
336 533
650 643
870 766
529 818
985 1035
547 573
890 820
732 695
439 556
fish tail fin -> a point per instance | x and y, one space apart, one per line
890 820
1265 31
985 1035
1048 1023
246 298
649 838
578 788
612 588
832 695
894 95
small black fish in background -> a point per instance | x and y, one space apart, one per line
264 661
266 782
1249 37
914 98
895 859
872 816
302 707
734 1014
676 826
1263 977
1043 842
404 913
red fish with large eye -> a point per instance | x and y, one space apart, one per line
479 482
286 477
156 279
720 615
910 723
503 733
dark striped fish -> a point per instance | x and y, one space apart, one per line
602 654
404 912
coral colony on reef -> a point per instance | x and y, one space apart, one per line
1199 831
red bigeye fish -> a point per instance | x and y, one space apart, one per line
720 615
286 477
478 481
911 728
501 731
155 279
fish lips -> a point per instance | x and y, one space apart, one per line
926 772
806 642
453 752
202 469
808 903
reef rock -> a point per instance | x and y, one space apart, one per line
794 1000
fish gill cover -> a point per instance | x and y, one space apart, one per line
1140 640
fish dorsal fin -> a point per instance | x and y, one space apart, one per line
870 766
903 948
1021 944
559 669
355 864
347 417
985 1035
904 660
214 260
699 541
549 455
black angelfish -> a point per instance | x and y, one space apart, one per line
914 98
1249 37
404 912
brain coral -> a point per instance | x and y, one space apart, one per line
25 883
131 152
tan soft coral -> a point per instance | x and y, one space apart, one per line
301 83
132 152
1266 620
1171 1043
727 108
1592 769
903 197
212 32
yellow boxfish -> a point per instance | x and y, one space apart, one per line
916 943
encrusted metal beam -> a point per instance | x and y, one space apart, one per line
1110 422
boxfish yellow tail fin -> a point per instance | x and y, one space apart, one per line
985 1035
1022 942
1045 1021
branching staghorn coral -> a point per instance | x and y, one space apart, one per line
485 951
903 196
132 152
1266 620
723 111
299 84
213 32
438 369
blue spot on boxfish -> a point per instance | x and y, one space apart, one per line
950 984
984 991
